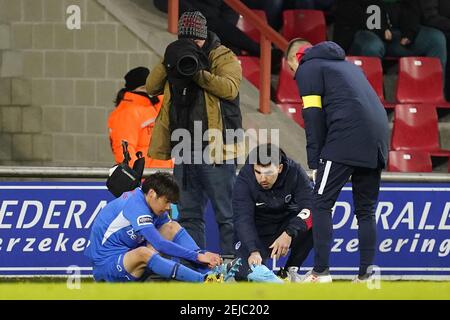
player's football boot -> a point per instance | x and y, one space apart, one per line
283 274
261 273
364 278
214 278
313 277
293 274
228 270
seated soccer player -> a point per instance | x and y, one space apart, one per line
131 232
271 207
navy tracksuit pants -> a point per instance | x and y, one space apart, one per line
301 245
330 179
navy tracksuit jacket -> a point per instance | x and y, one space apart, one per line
345 121
347 136
260 215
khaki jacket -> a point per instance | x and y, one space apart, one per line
221 82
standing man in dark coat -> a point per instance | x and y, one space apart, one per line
347 136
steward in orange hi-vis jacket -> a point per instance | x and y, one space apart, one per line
134 118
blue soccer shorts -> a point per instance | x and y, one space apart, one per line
113 270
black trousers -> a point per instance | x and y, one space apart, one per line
330 179
301 245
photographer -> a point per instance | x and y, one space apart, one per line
208 99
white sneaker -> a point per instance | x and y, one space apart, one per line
312 277
293 274
363 280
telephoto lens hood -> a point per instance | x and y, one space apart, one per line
187 65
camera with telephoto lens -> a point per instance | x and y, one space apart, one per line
183 59
187 65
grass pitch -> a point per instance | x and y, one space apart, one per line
339 290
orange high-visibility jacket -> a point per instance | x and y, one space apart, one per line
133 120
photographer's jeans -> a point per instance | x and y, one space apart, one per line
198 183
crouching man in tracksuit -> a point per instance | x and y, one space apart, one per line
272 212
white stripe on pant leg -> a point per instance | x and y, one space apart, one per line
324 177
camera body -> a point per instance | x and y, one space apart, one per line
183 59
187 65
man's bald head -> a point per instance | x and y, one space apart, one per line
290 53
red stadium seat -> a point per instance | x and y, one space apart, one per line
250 29
420 80
416 128
409 161
373 70
287 90
293 111
250 69
307 24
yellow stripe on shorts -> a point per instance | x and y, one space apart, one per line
312 102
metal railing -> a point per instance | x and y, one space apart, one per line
92 173
268 36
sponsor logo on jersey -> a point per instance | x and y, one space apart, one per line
144 220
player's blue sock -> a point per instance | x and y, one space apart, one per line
183 238
171 270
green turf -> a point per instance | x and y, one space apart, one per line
229 291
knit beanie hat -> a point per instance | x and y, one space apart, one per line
136 77
192 24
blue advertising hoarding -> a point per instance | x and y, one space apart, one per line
44 228
413 232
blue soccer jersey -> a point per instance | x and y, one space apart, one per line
117 227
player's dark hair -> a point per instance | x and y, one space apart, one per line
163 184
267 154
291 44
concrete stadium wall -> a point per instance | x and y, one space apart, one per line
57 85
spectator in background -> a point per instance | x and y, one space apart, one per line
213 102
401 33
222 20
134 118
436 14
274 8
